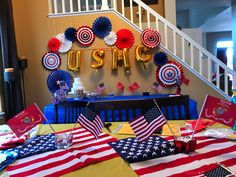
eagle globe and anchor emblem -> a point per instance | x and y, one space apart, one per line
219 111
28 120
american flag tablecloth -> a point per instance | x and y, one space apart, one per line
208 152
84 151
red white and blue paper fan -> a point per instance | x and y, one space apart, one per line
85 36
55 78
65 44
151 38
110 40
51 61
169 74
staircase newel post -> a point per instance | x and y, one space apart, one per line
104 5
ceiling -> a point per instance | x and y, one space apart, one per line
208 15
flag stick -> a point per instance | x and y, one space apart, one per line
114 91
45 118
50 125
149 87
165 118
199 118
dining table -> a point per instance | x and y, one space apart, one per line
115 167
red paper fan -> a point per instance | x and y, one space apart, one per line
54 44
169 74
125 39
151 38
85 36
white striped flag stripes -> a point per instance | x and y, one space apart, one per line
60 162
208 152
144 126
91 121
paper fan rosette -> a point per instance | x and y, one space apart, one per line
125 39
169 74
54 44
70 34
151 38
65 44
110 40
102 27
85 36
51 61
58 76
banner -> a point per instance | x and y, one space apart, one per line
219 110
26 120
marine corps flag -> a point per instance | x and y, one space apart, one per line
219 110
26 120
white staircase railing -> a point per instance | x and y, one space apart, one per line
176 43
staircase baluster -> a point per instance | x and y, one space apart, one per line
95 5
87 5
200 62
226 79
166 35
131 11
71 6
217 75
148 19
140 17
123 8
183 49
79 6
174 42
114 4
191 55
157 24
209 68
55 6
104 5
63 6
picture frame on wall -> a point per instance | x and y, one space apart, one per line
148 2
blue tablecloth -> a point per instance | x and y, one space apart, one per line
49 109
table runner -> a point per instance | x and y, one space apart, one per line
85 150
208 152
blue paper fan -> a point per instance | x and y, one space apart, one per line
102 27
160 59
54 77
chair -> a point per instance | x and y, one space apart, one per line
174 108
68 110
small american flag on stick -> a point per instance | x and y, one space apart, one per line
91 122
100 88
156 87
145 125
